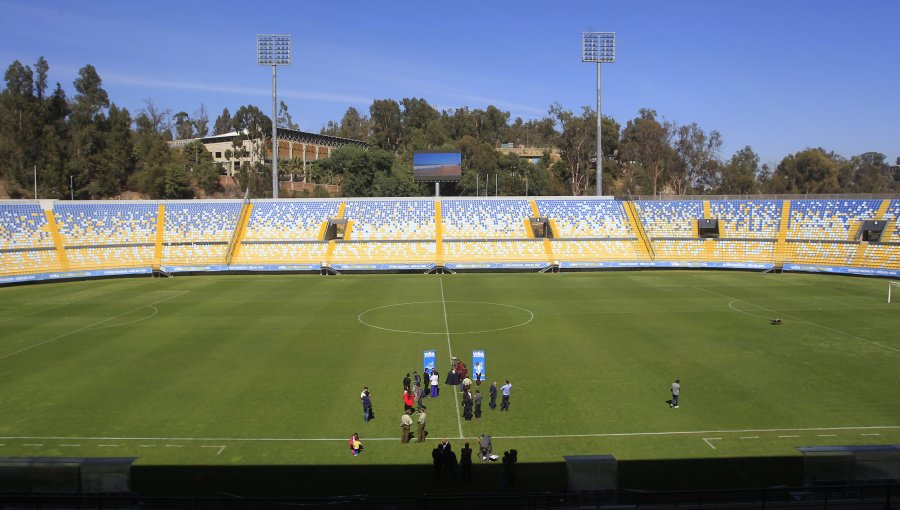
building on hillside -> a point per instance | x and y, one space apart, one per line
292 144
531 154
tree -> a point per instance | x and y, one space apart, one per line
157 120
360 172
284 118
201 122
386 124
645 151
223 123
871 173
40 84
252 121
184 126
697 157
576 144
355 126
201 167
87 125
739 175
808 171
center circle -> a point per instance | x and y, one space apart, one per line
384 317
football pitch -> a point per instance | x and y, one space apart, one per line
267 369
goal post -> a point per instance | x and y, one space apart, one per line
891 286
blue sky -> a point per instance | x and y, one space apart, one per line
778 75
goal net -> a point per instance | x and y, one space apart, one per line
891 287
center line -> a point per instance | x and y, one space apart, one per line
450 348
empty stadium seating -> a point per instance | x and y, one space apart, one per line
201 221
23 226
495 251
829 220
81 236
576 218
747 219
485 219
391 219
100 223
16 262
374 252
295 220
282 253
578 250
669 218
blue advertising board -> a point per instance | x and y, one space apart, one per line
430 359
478 366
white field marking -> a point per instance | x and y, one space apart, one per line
221 449
89 326
450 348
31 444
147 445
155 311
530 318
749 437
708 439
107 446
803 321
554 436
856 306
827 435
72 445
174 446
875 434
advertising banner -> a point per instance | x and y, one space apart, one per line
478 366
430 359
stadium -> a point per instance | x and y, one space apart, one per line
213 349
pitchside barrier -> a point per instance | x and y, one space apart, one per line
65 475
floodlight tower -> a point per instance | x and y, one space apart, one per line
599 47
274 50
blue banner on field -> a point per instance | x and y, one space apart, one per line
478 366
430 359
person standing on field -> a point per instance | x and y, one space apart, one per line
405 424
435 381
493 404
505 390
367 406
676 391
421 431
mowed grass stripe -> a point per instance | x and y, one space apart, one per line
286 357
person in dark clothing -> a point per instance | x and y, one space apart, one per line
493 404
509 475
465 460
467 406
436 458
406 382
477 399
367 407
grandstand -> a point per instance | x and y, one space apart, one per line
48 238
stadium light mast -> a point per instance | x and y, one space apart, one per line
274 50
598 47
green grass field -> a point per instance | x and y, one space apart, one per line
267 369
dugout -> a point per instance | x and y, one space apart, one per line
851 464
65 475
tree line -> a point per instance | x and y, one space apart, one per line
87 147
